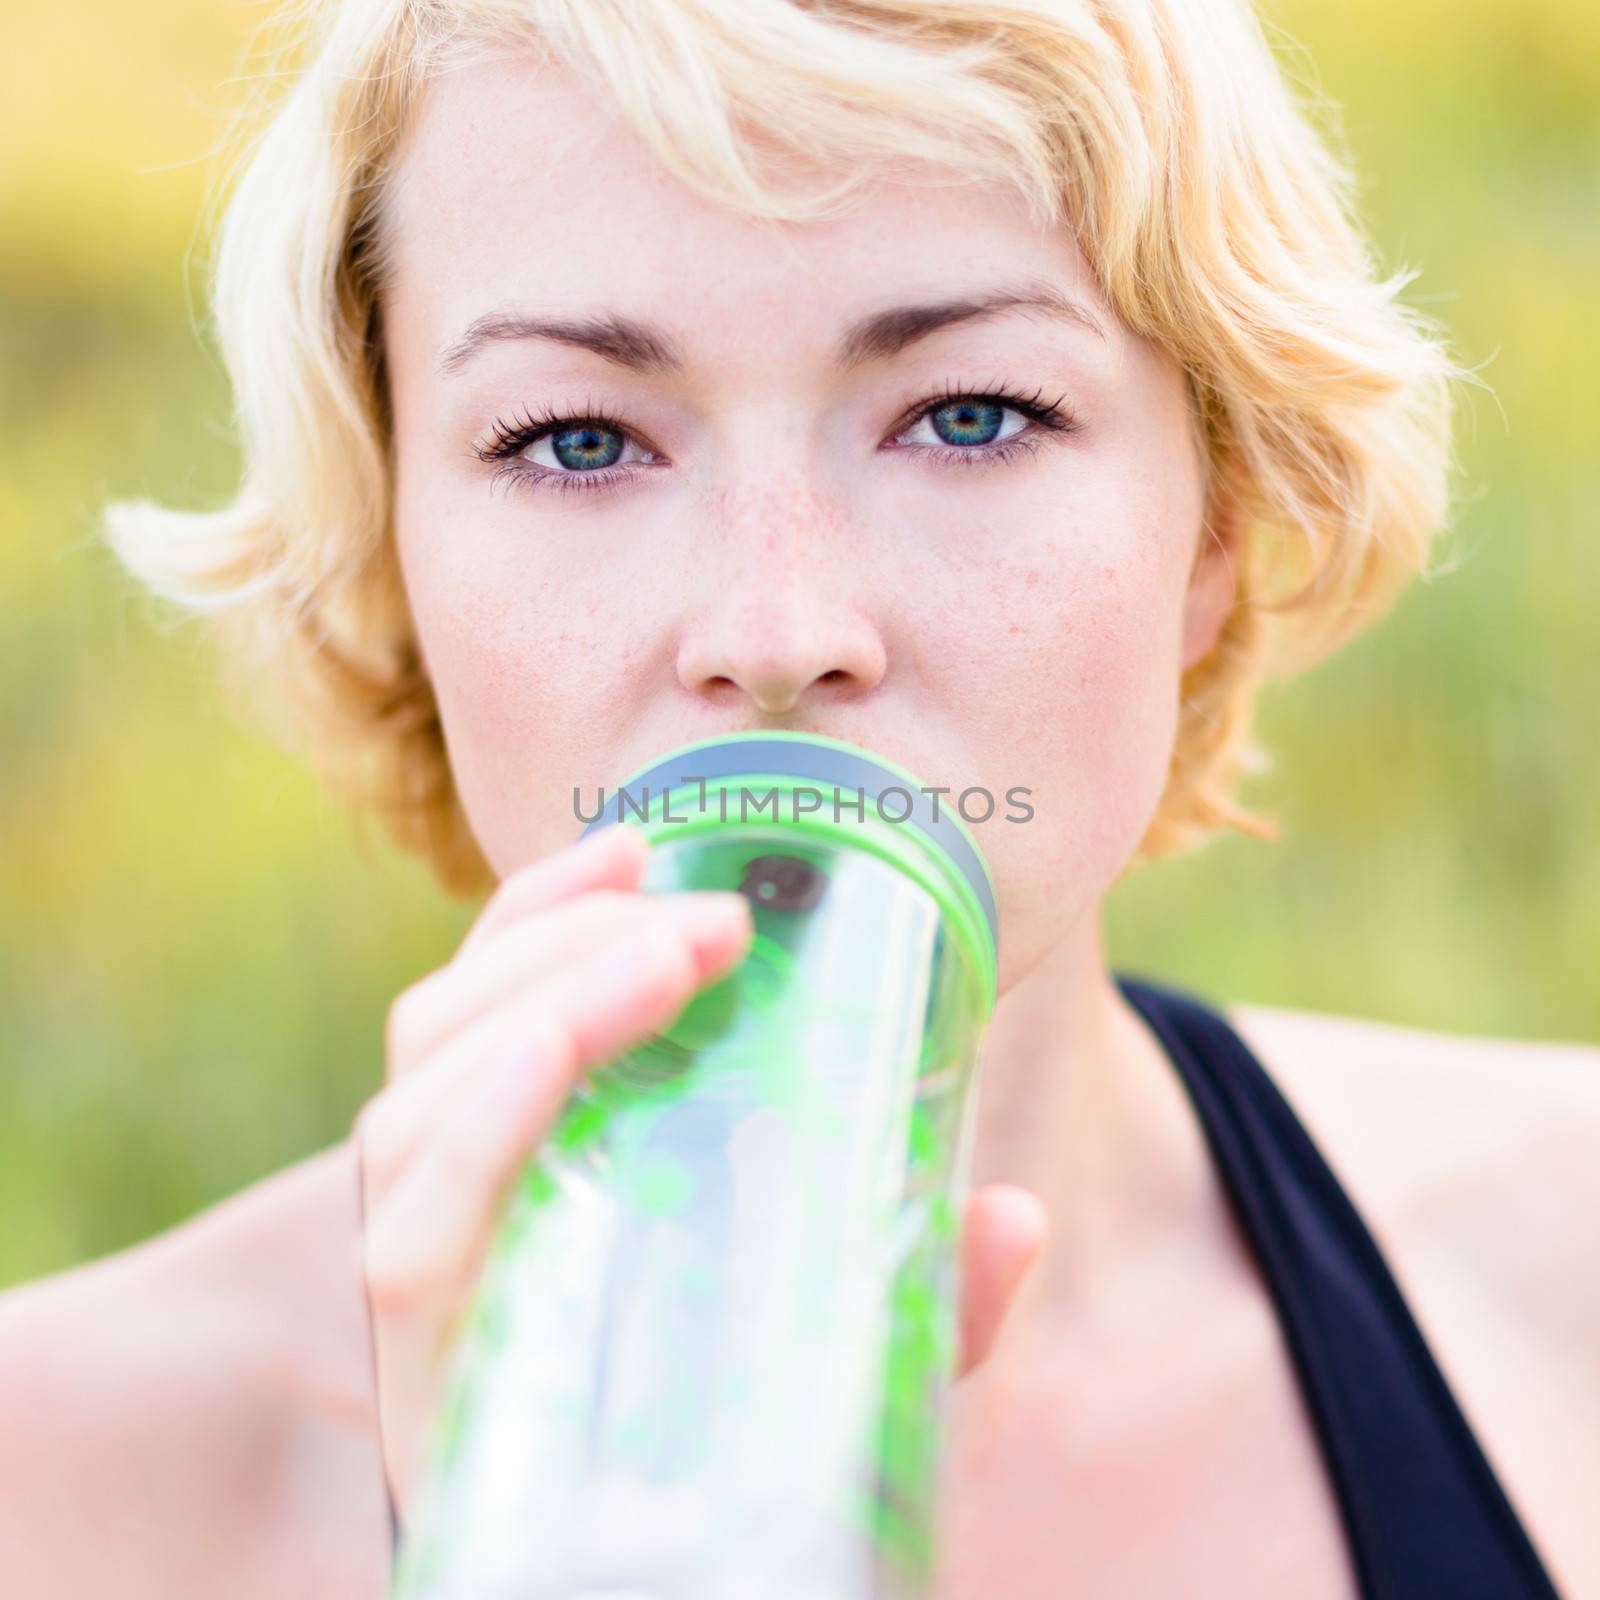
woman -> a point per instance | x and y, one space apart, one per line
955 380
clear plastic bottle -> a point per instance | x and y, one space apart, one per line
709 1356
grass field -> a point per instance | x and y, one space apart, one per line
195 960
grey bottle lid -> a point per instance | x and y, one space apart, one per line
829 763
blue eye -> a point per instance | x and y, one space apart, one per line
585 449
969 422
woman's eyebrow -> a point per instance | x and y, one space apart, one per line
645 347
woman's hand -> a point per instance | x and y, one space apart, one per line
568 964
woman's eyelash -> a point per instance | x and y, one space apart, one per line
508 439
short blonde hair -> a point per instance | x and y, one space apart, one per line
1218 222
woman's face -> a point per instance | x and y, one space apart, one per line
799 503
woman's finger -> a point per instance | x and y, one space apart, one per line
605 999
422 1240
610 858
1003 1235
428 1014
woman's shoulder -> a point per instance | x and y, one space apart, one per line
1475 1163
1481 1151
1406 1113
182 1394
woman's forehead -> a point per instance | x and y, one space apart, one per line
519 182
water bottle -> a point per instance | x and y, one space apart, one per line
709 1355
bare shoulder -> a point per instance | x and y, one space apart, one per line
168 1413
1475 1163
1414 1116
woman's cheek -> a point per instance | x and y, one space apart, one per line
491 654
1087 724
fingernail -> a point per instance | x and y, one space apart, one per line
605 839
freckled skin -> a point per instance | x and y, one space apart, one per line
778 560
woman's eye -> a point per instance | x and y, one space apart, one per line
971 420
578 448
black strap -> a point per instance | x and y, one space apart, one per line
1423 1510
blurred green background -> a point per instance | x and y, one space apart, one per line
195 956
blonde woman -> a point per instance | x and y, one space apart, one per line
1006 388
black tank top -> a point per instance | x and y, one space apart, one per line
1423 1512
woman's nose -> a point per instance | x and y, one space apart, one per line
785 605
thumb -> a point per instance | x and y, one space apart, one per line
1003 1235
